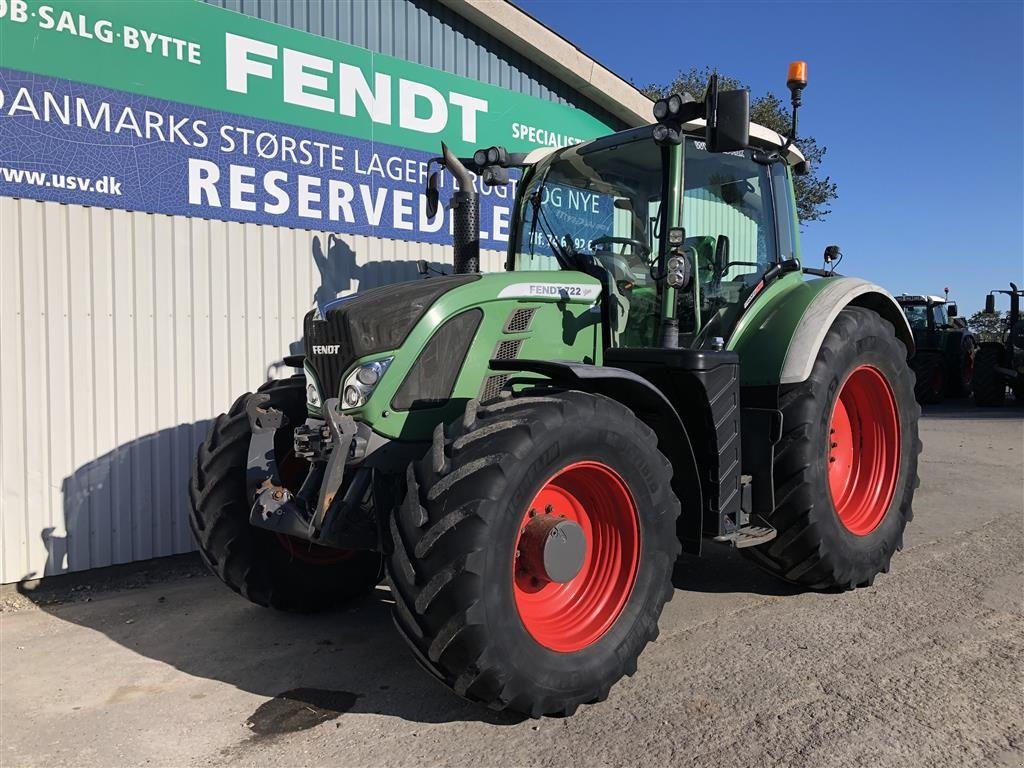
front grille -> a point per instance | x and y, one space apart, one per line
328 366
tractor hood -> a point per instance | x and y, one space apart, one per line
429 343
367 324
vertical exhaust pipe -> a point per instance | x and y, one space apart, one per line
465 208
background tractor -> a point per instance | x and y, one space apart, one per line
524 455
1000 364
943 361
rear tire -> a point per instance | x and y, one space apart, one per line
929 377
834 534
280 572
960 373
460 599
989 384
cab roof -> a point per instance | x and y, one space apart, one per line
760 136
905 298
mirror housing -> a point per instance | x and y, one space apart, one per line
951 310
726 115
433 194
990 304
728 118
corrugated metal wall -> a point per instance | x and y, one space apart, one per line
123 334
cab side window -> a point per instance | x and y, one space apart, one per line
728 215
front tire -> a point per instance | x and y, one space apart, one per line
846 466
469 599
267 568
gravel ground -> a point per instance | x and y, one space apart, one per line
163 666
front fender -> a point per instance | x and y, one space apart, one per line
652 407
779 337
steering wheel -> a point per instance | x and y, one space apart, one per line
638 246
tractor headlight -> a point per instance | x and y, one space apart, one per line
313 399
359 384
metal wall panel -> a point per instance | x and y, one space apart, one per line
123 334
424 32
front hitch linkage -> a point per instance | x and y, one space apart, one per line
275 507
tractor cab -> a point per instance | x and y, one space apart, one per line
601 208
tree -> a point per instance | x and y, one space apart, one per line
988 327
814 194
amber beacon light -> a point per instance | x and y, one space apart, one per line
796 78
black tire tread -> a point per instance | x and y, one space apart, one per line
248 559
988 384
924 364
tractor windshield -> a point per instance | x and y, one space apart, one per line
917 315
594 200
601 203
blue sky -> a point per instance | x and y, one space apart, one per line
920 104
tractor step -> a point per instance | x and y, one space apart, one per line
748 536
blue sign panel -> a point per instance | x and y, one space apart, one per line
83 144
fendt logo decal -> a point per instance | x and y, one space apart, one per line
570 292
326 349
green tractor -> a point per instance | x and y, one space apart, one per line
1000 364
943 361
524 455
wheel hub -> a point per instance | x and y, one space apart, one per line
552 549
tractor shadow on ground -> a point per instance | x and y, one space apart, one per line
172 611
351 660
722 569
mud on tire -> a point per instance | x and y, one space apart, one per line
253 561
814 548
455 537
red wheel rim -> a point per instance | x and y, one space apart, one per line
571 616
864 450
308 552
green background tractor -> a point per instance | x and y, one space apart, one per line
1000 363
524 455
943 361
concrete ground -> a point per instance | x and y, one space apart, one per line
164 666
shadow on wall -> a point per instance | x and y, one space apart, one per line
128 504
132 503
342 275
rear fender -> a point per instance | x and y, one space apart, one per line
651 407
779 337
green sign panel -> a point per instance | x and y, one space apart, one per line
192 53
